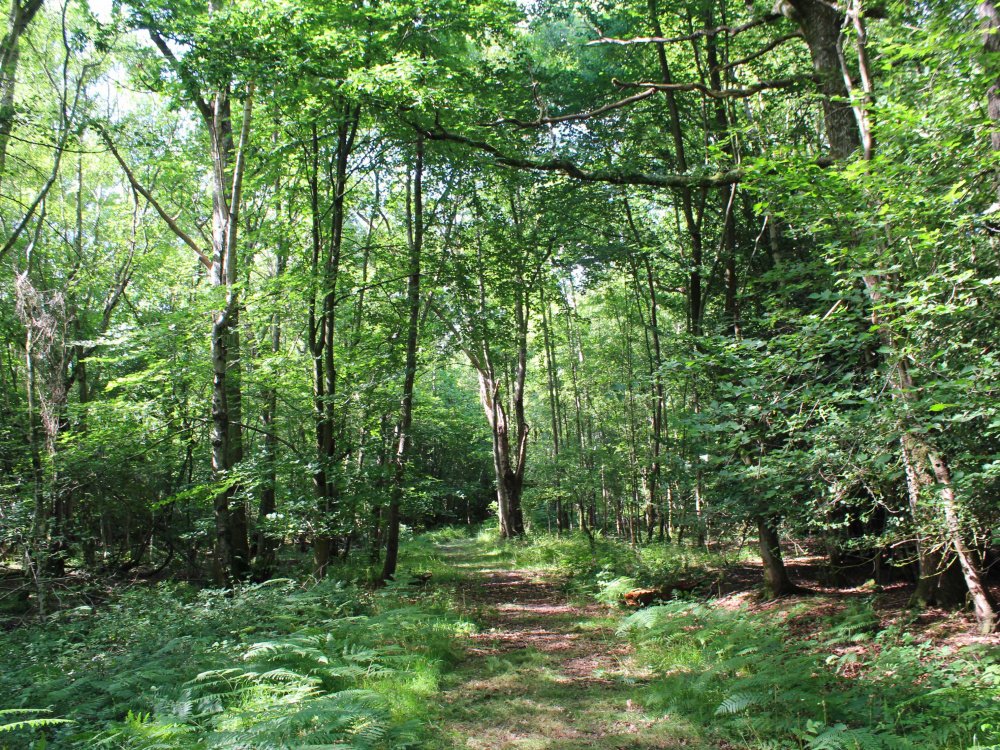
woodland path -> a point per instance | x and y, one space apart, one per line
542 672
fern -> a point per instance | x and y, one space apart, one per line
273 666
36 723
738 702
747 676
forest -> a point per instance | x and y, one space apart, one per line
527 374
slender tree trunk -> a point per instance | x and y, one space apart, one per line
562 518
225 568
239 528
554 410
847 129
412 330
231 543
652 335
265 545
727 244
984 605
692 216
39 529
927 468
20 16
323 331
317 331
507 465
517 481
990 17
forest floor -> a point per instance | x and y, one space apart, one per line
542 672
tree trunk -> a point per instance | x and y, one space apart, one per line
322 330
231 543
265 545
553 388
517 481
692 216
234 401
926 467
416 222
821 25
990 17
224 564
10 52
653 352
776 581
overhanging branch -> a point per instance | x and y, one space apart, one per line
174 226
182 71
578 117
731 30
568 168
761 52
740 93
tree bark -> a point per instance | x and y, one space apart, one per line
265 546
412 331
231 543
692 217
553 387
990 18
322 329
20 16
927 467
521 424
776 581
821 25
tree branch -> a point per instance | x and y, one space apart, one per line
743 93
476 362
731 30
761 52
206 261
564 166
252 429
189 81
572 118
38 199
237 191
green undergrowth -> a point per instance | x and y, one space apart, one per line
778 680
279 665
811 677
606 568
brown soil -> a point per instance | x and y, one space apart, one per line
543 673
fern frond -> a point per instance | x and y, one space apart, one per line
738 702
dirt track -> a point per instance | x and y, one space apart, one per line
542 672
